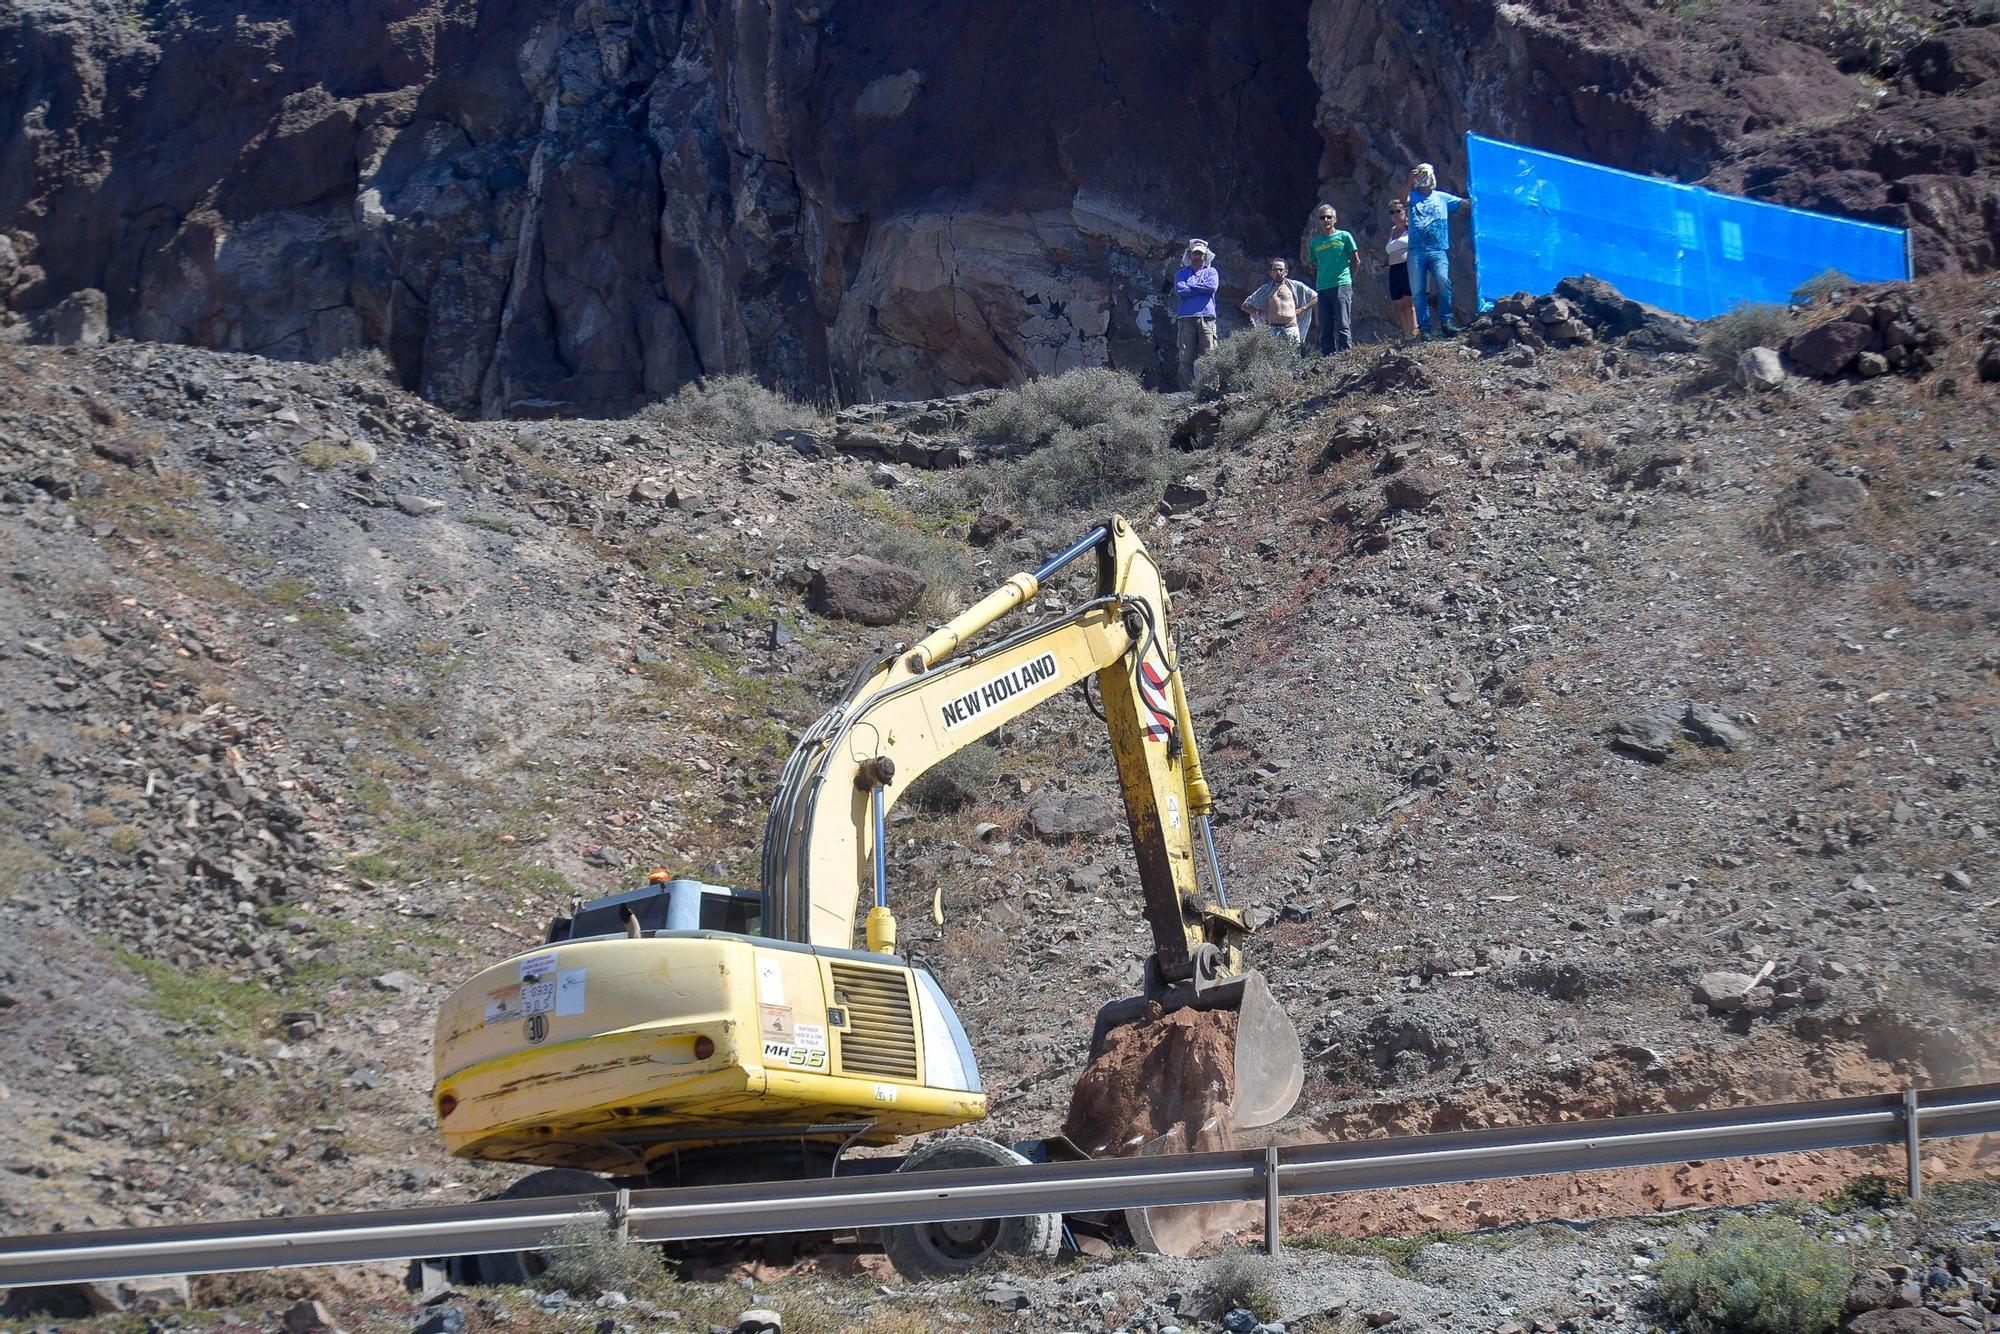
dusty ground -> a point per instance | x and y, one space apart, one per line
285 753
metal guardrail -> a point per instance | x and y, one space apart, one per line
1111 1184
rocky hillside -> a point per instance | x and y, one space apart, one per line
1591 734
579 207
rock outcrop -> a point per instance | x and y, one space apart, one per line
580 207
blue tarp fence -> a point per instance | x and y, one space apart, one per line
1538 218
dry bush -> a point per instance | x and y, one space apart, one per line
587 1260
1873 36
1734 332
733 410
947 567
1243 1280
1768 1276
364 363
1829 283
1249 362
957 781
1088 435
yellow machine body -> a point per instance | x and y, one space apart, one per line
611 1048
586 1053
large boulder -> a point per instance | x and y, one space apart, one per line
1646 735
864 589
1760 368
1616 315
1954 60
1071 815
1828 350
78 320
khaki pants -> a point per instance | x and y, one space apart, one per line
1195 335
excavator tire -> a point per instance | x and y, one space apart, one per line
513 1267
956 1247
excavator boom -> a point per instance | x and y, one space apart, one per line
910 709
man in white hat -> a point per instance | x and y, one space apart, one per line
1194 307
1429 212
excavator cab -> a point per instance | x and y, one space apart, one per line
666 903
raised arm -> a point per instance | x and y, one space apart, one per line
911 709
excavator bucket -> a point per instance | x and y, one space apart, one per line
1180 1071
1265 1068
1190 1229
1270 1067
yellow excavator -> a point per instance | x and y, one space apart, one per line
692 1034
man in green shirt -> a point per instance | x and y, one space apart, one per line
1331 255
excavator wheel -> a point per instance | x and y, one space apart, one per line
511 1267
955 1247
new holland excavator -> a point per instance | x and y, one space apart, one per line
692 1034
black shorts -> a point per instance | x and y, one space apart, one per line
1399 281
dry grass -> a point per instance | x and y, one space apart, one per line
1090 436
1734 332
734 410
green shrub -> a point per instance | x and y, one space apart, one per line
733 410
956 781
1872 36
1826 283
947 567
1243 1280
1751 324
1767 1276
1248 362
1870 1190
587 1260
1089 436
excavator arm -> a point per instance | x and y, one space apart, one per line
912 708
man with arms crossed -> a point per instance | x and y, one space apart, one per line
1282 304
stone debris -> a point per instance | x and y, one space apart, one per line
1886 332
1760 368
1646 735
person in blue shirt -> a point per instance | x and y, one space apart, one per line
1194 307
1430 211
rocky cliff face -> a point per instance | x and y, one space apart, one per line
580 207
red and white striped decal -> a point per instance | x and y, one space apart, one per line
1153 693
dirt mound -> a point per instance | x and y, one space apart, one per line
1158 1074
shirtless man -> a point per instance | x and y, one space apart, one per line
1281 303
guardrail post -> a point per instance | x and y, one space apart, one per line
1912 1145
1270 1201
621 1215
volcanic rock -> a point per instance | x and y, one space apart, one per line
1760 368
1829 350
1645 735
862 588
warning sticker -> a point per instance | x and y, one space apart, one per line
1153 693
503 1005
774 1022
810 1035
569 991
960 710
537 965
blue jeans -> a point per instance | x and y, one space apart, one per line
1428 268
